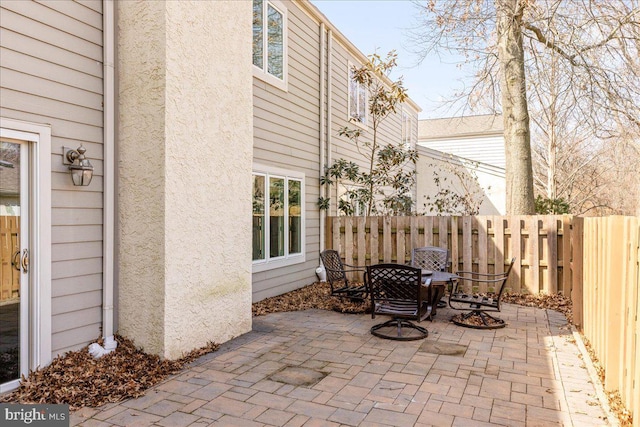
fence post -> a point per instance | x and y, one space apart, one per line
576 263
551 225
515 230
566 255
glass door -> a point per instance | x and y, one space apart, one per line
14 259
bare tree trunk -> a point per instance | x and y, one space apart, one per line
519 172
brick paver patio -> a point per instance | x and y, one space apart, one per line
320 368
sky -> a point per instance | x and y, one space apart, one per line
383 25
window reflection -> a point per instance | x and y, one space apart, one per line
276 217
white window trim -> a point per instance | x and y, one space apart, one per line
350 119
405 128
411 128
288 259
40 276
262 73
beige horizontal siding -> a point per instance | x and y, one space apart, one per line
72 339
76 250
93 5
76 285
76 267
75 303
75 319
42 12
286 135
84 12
52 73
29 65
51 32
43 51
67 130
73 217
35 104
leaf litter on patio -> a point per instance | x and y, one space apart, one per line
79 380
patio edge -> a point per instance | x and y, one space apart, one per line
595 379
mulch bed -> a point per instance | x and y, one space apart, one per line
556 302
317 295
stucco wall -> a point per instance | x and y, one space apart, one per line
185 149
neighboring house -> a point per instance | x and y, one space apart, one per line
463 149
159 246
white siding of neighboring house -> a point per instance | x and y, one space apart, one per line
475 143
485 149
490 188
478 138
287 130
43 80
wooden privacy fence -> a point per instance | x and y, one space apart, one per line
593 260
9 245
611 302
542 245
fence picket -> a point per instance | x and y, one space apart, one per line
361 239
533 257
567 272
375 244
400 240
443 232
386 239
413 229
481 224
455 249
348 240
467 244
499 254
428 231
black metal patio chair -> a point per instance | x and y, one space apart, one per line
395 291
479 304
337 271
431 258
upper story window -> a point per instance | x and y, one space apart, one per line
357 100
407 141
278 218
270 42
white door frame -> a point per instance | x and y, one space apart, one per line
39 213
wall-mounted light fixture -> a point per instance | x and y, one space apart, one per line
79 165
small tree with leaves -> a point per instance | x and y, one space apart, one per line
384 187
